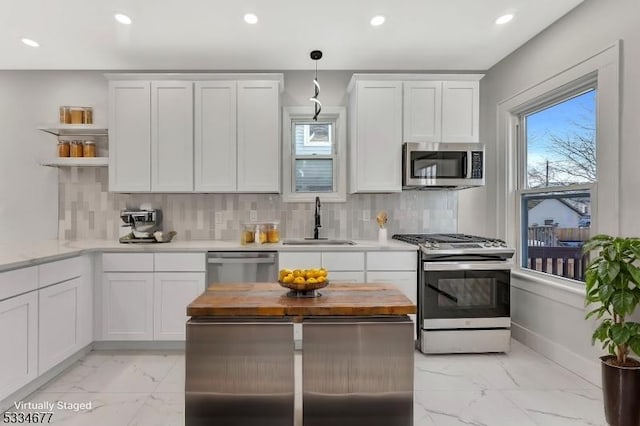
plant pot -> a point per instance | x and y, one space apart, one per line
621 393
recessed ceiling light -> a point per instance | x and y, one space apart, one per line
122 18
504 19
30 43
377 20
250 18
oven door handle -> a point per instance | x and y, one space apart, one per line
464 266
444 293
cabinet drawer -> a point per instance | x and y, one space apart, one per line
392 261
18 281
62 270
343 261
304 260
180 262
127 262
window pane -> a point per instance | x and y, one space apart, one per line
314 176
561 143
555 226
313 138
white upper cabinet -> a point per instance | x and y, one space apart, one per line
186 133
441 111
258 136
215 136
460 111
171 136
422 111
130 141
375 134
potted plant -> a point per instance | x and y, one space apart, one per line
613 288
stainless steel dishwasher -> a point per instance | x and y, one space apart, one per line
241 266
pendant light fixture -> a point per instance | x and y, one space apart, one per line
316 55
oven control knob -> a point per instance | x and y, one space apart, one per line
487 244
503 244
495 244
427 244
435 245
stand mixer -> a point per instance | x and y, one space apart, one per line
139 225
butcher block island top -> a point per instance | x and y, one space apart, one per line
270 300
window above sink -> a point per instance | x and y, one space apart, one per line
314 155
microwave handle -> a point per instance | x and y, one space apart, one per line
465 160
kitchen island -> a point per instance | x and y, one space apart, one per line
357 356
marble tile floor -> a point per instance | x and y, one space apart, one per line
521 388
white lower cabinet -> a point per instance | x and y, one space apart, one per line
149 301
127 306
19 339
172 292
61 316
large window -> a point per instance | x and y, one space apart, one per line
558 164
314 160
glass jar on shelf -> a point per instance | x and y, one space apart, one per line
273 232
64 149
89 149
76 148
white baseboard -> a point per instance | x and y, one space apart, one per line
586 368
157 345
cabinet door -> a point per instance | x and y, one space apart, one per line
460 111
422 111
377 148
59 317
127 306
172 292
19 337
171 136
258 136
215 136
129 136
407 283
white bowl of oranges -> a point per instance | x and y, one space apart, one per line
302 280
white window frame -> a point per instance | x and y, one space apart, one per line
336 115
555 97
605 205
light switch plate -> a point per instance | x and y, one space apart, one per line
253 215
366 215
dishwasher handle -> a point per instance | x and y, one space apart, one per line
245 260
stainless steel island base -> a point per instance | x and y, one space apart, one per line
357 371
239 372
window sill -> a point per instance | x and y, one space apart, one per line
560 290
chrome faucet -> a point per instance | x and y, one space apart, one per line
317 218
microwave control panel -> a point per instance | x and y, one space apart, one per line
476 165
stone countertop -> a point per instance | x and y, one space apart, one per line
23 254
270 300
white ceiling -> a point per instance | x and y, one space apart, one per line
211 34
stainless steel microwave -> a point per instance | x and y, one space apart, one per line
442 165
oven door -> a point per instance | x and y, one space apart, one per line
465 295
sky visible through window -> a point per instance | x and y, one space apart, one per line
561 143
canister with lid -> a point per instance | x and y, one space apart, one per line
89 149
64 149
76 148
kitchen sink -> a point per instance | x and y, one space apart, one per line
312 242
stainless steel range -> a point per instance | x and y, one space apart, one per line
463 293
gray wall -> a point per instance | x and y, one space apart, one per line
551 323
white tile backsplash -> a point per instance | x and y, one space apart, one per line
88 211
